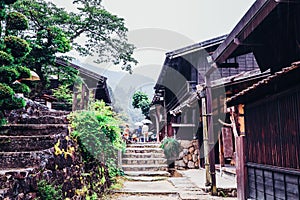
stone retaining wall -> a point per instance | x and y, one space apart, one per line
189 157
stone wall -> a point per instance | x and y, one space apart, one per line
61 166
189 157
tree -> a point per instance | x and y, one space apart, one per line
54 30
142 101
12 52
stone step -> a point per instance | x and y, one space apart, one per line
3 192
144 150
143 155
33 129
143 145
146 173
54 113
144 167
27 143
7 176
23 159
46 119
146 178
144 161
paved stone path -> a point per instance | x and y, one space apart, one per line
174 188
147 178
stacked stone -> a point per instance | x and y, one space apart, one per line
189 157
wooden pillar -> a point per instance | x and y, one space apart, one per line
241 172
74 101
82 97
205 142
211 139
87 98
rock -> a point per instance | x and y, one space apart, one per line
20 196
191 150
191 165
181 163
180 155
233 193
185 159
196 152
189 157
195 158
185 152
185 144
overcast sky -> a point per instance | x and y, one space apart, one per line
159 26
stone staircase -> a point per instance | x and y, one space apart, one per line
26 144
144 161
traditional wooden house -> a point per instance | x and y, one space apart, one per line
93 85
267 112
176 87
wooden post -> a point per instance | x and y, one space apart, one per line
241 172
205 142
211 139
74 101
82 97
87 98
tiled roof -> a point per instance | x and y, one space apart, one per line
265 81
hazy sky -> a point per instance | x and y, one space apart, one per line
159 26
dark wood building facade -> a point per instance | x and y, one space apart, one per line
268 154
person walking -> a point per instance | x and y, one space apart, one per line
145 132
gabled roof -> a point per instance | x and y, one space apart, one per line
197 46
208 45
82 70
288 76
270 29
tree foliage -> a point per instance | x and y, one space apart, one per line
142 101
55 30
13 51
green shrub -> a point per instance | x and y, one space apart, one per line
21 88
5 91
5 58
47 191
23 71
16 21
12 103
17 46
171 148
63 94
8 74
10 1
98 134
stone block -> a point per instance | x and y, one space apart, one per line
185 144
191 150
195 158
180 163
185 159
191 165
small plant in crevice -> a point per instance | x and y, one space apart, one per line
47 191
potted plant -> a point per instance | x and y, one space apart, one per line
172 149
